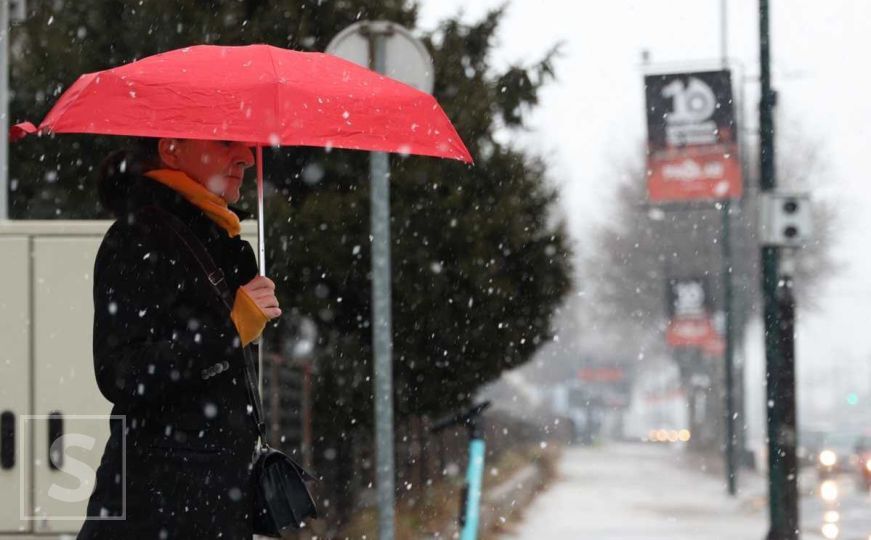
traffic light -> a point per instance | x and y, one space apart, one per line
785 219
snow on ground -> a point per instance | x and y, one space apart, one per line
638 491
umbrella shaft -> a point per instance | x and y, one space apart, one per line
261 242
261 258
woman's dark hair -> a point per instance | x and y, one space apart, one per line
121 168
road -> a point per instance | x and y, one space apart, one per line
657 492
848 517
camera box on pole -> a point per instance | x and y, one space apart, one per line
785 219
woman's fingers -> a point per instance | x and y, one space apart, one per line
272 312
261 282
261 289
263 297
269 306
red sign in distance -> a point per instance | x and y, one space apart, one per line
693 174
690 332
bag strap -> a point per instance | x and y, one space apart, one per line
216 278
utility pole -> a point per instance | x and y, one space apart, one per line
779 328
726 247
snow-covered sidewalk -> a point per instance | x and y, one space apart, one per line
637 491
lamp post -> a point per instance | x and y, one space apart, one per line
779 327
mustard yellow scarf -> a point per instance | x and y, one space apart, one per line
214 206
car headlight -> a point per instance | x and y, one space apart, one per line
828 458
831 531
829 491
868 464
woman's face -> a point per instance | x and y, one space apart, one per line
218 165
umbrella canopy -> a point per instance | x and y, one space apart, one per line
256 94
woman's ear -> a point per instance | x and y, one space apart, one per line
168 150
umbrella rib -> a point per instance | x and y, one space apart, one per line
275 89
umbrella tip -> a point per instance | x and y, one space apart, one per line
465 156
21 130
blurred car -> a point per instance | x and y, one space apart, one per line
810 443
838 454
863 453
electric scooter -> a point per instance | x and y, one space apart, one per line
471 496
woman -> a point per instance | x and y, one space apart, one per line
166 352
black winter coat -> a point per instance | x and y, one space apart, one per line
169 358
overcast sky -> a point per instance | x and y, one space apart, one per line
593 116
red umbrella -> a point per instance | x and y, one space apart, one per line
256 94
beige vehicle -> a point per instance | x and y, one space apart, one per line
53 419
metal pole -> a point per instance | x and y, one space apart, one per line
785 390
261 259
725 246
4 109
729 352
780 382
738 316
261 241
381 328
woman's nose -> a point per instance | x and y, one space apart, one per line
243 156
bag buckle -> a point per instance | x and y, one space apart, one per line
216 277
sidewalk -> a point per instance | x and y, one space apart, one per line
638 491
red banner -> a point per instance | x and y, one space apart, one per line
694 332
692 140
601 374
712 173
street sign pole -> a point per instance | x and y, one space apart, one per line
779 329
382 332
726 251
729 350
390 49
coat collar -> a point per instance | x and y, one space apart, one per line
146 191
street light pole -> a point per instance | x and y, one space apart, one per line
729 350
726 251
779 328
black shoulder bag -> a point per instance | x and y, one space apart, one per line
282 499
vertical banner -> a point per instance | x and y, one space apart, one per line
692 139
689 311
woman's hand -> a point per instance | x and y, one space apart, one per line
261 289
